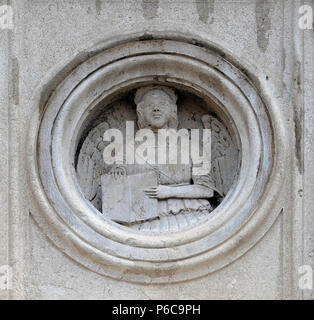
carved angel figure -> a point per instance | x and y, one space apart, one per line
183 198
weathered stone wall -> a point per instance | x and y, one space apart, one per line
49 38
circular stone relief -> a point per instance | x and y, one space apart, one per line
118 191
155 222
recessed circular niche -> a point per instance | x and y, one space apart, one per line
97 94
89 164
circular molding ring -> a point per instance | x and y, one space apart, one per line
80 231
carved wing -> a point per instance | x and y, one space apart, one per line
91 166
224 154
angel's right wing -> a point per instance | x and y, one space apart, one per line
91 166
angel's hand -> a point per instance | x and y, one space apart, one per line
159 192
118 171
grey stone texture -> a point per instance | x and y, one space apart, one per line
263 40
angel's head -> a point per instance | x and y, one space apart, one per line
156 107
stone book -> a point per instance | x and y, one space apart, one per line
124 200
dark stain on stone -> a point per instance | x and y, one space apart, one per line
98 6
245 72
150 8
198 43
263 23
298 141
15 80
205 9
284 59
284 66
145 37
298 117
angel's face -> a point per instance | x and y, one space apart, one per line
156 109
